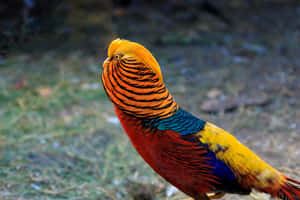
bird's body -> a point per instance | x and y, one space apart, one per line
194 155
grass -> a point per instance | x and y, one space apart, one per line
56 138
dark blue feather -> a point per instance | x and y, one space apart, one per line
226 178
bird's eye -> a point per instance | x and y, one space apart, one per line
117 57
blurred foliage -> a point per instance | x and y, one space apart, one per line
88 23
24 22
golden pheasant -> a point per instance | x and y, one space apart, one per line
197 157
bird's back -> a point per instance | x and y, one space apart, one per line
249 170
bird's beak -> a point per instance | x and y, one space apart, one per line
106 61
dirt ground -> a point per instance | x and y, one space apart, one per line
60 138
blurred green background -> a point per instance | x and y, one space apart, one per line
234 63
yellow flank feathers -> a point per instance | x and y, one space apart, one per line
241 160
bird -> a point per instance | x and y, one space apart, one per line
199 158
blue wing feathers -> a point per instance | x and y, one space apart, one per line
226 178
220 170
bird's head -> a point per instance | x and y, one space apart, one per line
120 49
132 79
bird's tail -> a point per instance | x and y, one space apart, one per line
289 189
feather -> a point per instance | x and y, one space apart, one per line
194 155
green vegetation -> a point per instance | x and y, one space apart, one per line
57 141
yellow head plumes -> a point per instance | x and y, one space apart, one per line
132 49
